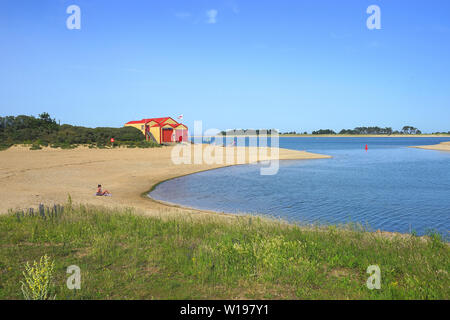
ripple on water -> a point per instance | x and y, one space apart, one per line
390 187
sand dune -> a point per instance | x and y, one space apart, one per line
48 176
443 146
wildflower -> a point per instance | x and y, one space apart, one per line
38 279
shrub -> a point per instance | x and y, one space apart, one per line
147 144
4 146
43 131
35 147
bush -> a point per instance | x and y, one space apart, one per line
4 146
35 147
44 131
147 144
322 131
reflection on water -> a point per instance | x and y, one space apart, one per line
389 187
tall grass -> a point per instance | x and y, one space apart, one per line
123 255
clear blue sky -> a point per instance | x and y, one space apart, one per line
291 65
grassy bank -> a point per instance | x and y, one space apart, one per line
127 256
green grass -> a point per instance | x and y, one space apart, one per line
123 255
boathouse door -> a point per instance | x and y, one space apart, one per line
167 134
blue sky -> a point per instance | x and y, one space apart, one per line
291 65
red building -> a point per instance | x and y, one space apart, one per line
161 130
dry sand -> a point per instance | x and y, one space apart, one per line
443 146
48 176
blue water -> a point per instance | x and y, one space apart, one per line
389 187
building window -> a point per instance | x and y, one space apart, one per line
142 127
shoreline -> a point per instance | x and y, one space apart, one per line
146 194
443 146
365 136
336 136
136 199
48 176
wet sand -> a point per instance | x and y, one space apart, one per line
29 178
443 146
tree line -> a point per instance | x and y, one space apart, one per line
45 131
407 130
378 130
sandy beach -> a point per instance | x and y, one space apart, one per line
48 176
443 146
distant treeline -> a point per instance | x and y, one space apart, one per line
407 130
378 130
248 132
45 131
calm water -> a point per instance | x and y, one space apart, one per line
389 187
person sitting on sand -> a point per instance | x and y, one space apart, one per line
102 193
